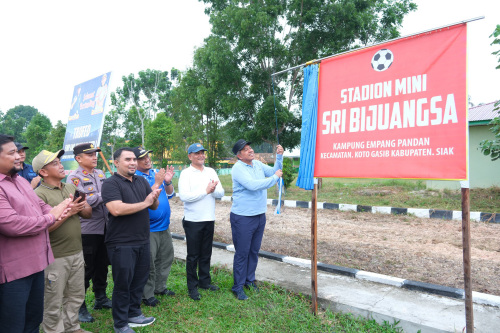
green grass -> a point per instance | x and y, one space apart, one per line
390 192
273 309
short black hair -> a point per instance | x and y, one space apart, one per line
5 139
118 153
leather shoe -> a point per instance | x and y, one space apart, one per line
166 292
240 294
194 294
210 287
152 301
84 315
102 303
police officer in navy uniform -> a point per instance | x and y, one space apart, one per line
89 180
26 170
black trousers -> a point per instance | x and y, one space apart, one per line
130 267
96 262
199 238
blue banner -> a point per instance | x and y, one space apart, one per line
86 116
305 178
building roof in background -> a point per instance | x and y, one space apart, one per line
483 112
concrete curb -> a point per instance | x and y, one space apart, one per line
419 212
477 297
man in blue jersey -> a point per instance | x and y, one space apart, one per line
162 250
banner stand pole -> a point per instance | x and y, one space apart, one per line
314 248
105 162
469 312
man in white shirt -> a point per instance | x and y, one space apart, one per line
198 188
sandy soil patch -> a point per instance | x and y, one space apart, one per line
427 250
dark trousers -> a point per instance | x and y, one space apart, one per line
247 234
96 262
21 304
199 238
130 268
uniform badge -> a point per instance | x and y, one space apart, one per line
101 175
91 194
85 172
90 188
75 181
86 179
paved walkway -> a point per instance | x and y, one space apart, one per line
414 310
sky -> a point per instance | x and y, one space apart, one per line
48 47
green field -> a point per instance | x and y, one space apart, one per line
273 309
391 192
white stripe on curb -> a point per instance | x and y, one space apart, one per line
382 210
419 212
380 278
347 207
297 262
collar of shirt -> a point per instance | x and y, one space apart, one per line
150 173
3 176
64 191
245 164
85 172
52 187
193 169
134 177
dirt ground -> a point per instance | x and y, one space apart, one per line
427 250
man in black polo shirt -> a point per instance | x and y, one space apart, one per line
128 198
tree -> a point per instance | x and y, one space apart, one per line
204 99
141 98
16 120
159 136
112 136
272 35
1 122
37 133
55 139
492 147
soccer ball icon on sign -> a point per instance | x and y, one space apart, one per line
382 60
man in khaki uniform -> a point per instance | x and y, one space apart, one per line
64 278
89 180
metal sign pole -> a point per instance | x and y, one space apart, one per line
314 248
469 312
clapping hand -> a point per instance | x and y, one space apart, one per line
169 174
160 176
61 211
211 186
152 197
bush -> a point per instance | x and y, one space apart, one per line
288 172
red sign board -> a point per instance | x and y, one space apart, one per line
395 110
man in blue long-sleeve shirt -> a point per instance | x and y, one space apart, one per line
248 212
